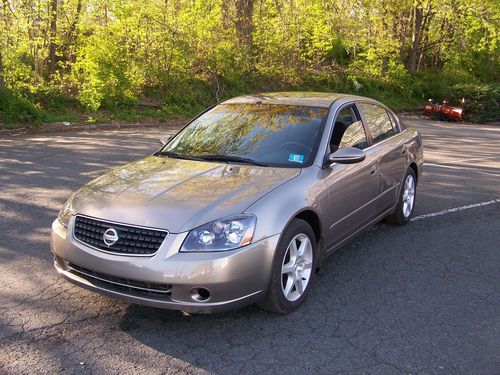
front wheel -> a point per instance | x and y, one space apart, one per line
406 200
293 268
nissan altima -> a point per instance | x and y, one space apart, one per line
242 205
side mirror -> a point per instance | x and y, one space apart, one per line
164 140
348 155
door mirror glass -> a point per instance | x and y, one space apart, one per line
348 155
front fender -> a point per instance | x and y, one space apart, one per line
275 210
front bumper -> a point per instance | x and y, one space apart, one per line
168 278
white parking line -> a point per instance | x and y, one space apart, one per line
450 210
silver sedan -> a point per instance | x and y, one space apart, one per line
242 205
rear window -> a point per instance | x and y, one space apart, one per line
378 121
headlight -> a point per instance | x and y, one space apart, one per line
220 235
65 213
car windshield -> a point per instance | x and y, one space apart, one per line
260 134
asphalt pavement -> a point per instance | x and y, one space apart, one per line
418 299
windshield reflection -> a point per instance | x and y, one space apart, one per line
265 134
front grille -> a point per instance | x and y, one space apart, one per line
131 240
118 284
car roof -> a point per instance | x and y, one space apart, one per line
305 98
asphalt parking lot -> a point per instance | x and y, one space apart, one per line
419 299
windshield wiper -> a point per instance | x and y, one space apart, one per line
234 158
178 156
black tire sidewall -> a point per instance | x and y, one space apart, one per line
295 227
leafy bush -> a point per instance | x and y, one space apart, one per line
102 73
15 108
481 100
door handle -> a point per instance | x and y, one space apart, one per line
373 169
403 150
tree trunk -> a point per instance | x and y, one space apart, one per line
416 34
69 55
244 23
6 26
385 66
53 33
226 7
106 15
2 79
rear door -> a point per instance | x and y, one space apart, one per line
389 152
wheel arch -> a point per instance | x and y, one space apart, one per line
313 220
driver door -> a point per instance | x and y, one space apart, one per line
352 188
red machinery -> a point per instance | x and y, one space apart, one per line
444 111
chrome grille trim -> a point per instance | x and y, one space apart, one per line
116 249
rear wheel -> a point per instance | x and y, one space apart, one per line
406 200
293 268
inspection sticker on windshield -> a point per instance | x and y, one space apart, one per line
296 158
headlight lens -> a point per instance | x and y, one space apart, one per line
65 214
221 235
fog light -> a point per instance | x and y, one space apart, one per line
200 294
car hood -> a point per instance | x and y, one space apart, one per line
176 194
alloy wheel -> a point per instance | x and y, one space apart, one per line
296 267
408 195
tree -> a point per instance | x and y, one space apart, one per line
52 37
244 22
190 53
2 79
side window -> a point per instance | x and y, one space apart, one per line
395 122
378 121
348 131
354 136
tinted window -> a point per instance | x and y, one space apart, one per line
378 121
354 136
348 131
394 121
279 135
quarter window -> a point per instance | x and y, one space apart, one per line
378 121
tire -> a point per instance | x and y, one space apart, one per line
406 200
284 294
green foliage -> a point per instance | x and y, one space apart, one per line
187 54
14 108
101 73
481 100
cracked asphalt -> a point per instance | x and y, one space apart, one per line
419 299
